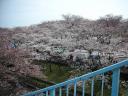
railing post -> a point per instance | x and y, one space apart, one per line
75 88
52 92
60 91
92 87
115 82
102 86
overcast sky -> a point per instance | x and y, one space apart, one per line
26 12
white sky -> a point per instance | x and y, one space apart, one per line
26 12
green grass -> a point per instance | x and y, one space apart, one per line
58 74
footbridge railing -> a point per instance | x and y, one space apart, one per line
71 86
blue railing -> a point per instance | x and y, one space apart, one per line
65 87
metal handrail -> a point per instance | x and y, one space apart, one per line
115 69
